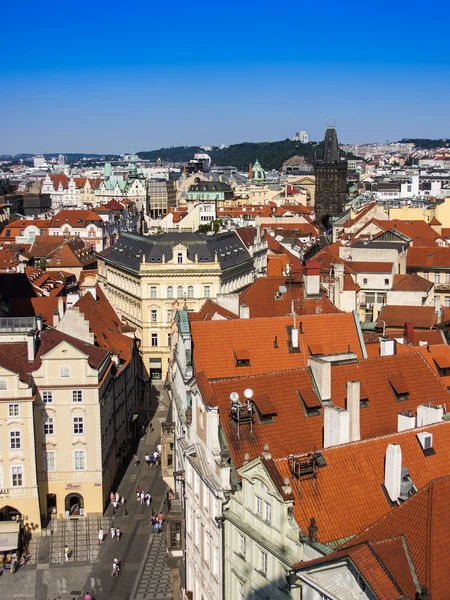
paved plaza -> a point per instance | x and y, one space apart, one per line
144 573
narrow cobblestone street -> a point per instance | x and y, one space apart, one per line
144 573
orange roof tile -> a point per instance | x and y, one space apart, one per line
428 257
209 310
411 283
215 342
348 495
287 389
370 267
261 298
75 218
422 317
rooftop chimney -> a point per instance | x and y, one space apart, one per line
387 346
244 311
311 278
93 292
336 426
408 334
31 345
393 471
406 421
321 370
294 337
55 318
428 414
61 306
354 408
39 323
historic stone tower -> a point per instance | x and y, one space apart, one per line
331 181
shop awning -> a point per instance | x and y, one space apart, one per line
9 535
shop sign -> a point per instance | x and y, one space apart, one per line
72 486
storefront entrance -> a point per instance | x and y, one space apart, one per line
155 369
51 504
74 505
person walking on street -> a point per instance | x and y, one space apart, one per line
136 460
88 596
117 497
113 533
111 496
118 534
122 500
116 567
66 552
142 497
159 448
100 536
138 493
147 459
13 565
148 499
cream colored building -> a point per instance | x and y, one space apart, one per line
64 419
147 277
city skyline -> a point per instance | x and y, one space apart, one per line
103 80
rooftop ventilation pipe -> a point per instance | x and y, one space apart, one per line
393 471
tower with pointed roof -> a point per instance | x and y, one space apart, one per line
331 181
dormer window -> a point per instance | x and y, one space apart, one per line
241 358
399 387
310 403
179 258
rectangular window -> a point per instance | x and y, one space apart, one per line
17 476
77 396
13 410
169 339
154 316
169 316
365 280
197 533
215 562
49 426
205 498
267 512
437 277
79 460
50 462
47 397
153 291
15 440
64 371
196 485
263 562
78 425
447 278
258 506
207 291
386 282
447 300
242 545
207 553
154 339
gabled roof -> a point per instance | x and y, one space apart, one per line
370 267
428 257
295 431
14 357
424 521
422 317
75 218
348 493
267 342
209 310
105 324
261 300
411 283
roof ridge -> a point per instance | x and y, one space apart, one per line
378 437
383 566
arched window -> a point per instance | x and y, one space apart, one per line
170 292
190 293
180 291
180 258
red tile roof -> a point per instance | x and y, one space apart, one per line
287 389
75 218
422 317
348 494
14 357
411 283
369 267
209 310
30 307
215 342
261 300
424 522
428 257
105 324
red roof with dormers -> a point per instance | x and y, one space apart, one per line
75 218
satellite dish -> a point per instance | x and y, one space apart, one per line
234 396
248 393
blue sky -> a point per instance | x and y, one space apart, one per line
110 77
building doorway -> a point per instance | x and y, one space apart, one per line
9 513
74 505
155 369
51 504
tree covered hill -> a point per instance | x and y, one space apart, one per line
271 155
427 144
